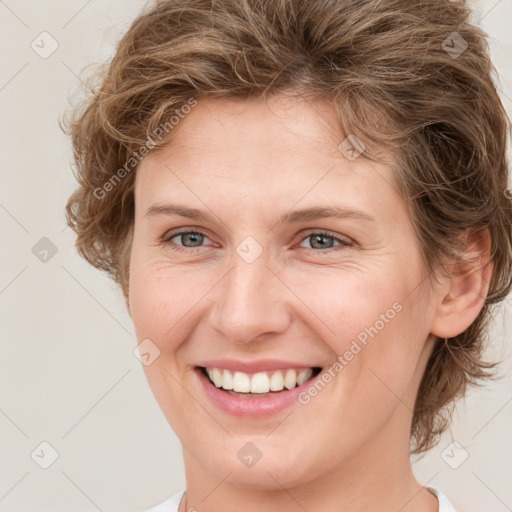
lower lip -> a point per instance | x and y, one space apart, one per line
254 406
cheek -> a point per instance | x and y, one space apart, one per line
160 295
371 320
350 304
162 309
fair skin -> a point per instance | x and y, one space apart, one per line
245 164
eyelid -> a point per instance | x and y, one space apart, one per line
343 240
186 231
326 232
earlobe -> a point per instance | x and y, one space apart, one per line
461 300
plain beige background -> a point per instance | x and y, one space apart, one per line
68 376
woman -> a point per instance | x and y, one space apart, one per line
305 206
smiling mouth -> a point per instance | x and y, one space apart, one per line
258 384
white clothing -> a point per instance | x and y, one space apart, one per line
172 504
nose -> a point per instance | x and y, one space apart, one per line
250 302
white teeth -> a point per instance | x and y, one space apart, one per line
217 377
227 382
241 382
304 375
290 379
276 382
261 382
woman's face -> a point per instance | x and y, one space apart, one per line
260 246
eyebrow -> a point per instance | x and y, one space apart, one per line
305 214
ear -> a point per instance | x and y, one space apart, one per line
462 295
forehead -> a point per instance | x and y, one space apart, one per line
235 130
272 150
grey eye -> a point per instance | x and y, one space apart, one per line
190 239
321 241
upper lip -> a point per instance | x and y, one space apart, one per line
253 366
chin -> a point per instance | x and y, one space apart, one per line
259 464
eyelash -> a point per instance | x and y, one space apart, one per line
342 242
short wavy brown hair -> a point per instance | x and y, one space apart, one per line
414 77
